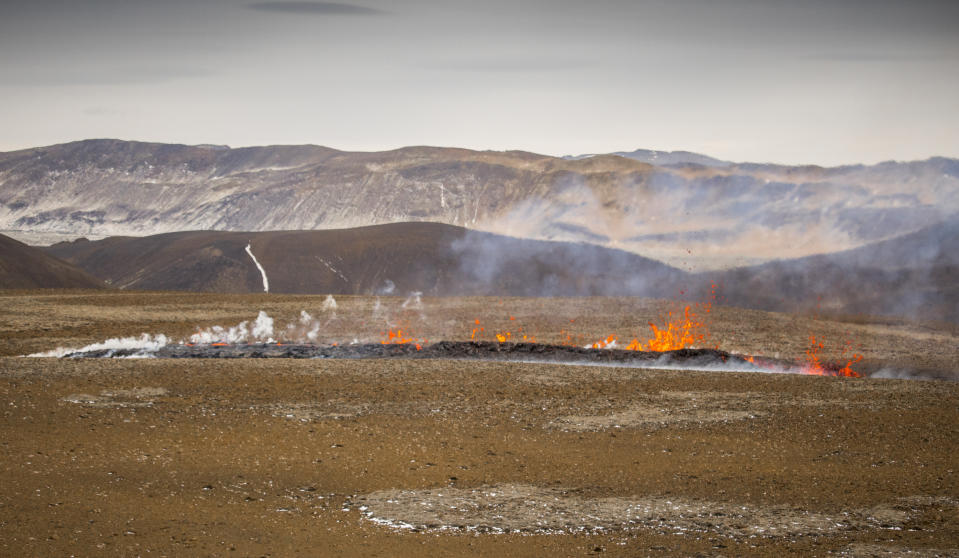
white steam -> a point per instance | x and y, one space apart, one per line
413 302
261 331
144 346
263 327
388 288
266 282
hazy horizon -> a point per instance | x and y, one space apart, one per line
557 155
827 83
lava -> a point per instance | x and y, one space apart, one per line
814 366
397 338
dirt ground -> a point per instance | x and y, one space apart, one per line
281 457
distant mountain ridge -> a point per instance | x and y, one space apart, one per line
664 158
691 212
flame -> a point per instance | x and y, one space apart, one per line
397 338
674 335
477 329
609 342
504 336
813 365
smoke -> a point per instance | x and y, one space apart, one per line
266 282
144 345
413 302
497 265
329 304
910 276
888 236
388 288
307 327
912 374
260 331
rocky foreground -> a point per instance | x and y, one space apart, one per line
412 457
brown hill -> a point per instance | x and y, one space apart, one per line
432 258
26 267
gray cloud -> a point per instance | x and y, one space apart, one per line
58 76
511 65
317 8
100 111
857 57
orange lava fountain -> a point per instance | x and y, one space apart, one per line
674 335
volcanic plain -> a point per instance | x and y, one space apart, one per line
286 457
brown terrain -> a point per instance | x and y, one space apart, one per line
281 457
27 267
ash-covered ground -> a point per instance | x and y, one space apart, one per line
450 456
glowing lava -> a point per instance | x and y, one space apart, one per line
813 365
397 338
504 336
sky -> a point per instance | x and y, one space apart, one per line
814 81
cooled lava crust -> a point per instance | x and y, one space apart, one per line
469 350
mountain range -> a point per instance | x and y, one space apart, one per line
685 209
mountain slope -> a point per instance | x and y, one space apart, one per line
26 267
688 214
432 258
914 275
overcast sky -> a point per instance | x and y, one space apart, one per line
804 81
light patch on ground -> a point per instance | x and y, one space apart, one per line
136 397
670 408
877 551
308 412
530 509
690 407
335 409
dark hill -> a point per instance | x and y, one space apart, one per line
914 276
433 258
26 267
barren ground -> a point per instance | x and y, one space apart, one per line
410 458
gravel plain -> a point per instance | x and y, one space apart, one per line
281 457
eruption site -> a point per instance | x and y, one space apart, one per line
680 341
